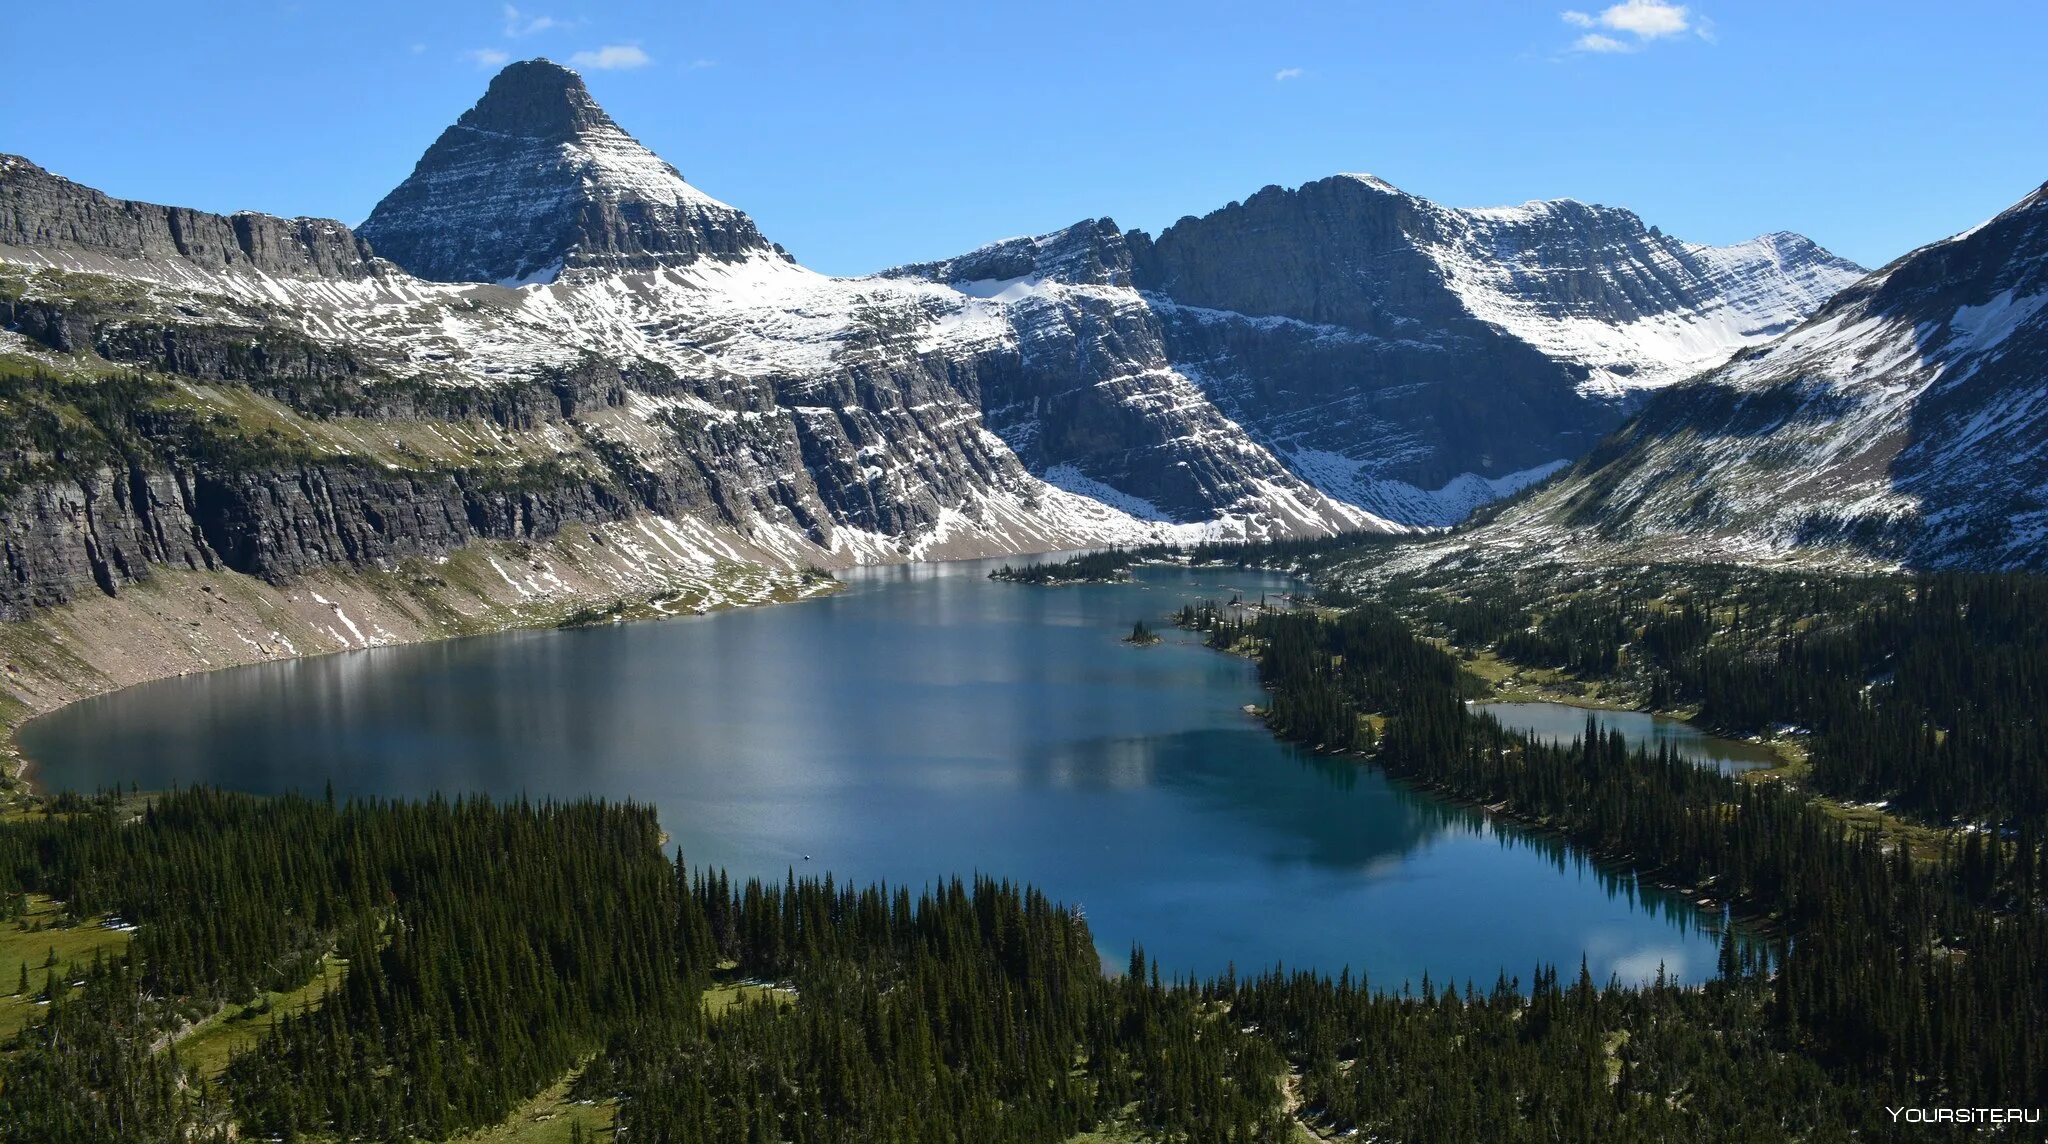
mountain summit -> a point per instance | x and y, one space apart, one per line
537 178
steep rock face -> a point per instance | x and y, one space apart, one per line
41 212
1094 402
1405 359
1611 303
1092 253
1419 360
1905 423
106 528
1338 252
287 425
535 178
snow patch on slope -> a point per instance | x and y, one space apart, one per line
1352 481
1752 291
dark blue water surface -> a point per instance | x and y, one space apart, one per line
926 722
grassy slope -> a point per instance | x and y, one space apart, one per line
549 1118
29 941
207 1046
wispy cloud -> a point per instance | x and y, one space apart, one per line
1285 74
1636 23
519 23
487 57
612 57
1595 42
700 65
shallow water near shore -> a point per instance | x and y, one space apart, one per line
927 723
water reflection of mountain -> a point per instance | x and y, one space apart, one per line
387 722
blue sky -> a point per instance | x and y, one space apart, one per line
862 135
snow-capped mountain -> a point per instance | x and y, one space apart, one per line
1412 360
1906 423
1419 359
536 177
546 327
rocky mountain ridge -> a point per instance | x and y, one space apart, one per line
45 218
1905 423
294 396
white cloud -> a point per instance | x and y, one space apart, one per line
1595 42
487 57
1638 22
612 57
1648 19
1285 74
518 23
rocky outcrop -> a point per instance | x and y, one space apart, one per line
42 212
1379 340
1354 251
537 178
105 528
1092 253
1345 251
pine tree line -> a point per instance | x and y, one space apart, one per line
1911 975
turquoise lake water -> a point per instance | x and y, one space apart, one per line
926 722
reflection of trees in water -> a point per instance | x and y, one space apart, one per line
1681 912
1433 817
1331 812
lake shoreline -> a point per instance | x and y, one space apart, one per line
1511 687
1504 812
1100 765
18 783
1732 756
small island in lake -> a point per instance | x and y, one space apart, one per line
1142 635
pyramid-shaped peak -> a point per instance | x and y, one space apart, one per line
535 179
538 98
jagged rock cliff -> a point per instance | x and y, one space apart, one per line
1390 348
1409 359
44 217
1906 423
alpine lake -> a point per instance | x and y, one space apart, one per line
927 723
